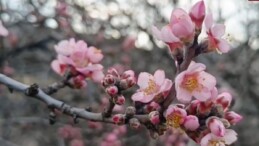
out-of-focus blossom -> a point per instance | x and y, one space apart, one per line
129 43
151 86
213 140
194 82
197 13
3 31
77 142
215 33
154 117
68 131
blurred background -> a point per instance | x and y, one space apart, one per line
121 29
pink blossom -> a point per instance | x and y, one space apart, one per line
152 86
175 116
191 122
224 99
233 117
194 82
197 13
182 25
215 33
3 31
154 117
213 140
216 126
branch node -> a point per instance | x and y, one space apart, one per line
33 90
75 119
52 118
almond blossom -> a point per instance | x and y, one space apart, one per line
83 59
213 140
152 87
215 33
216 126
177 117
194 82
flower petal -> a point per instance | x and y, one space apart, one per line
218 30
159 77
223 46
143 79
208 21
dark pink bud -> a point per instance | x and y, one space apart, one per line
192 108
79 82
127 74
118 119
112 90
108 80
233 117
197 13
154 117
120 100
113 71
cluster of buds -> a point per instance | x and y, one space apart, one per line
81 61
114 84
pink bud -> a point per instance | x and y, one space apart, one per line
216 126
118 119
191 122
192 108
224 99
233 117
112 90
108 80
79 82
197 13
120 100
128 73
131 81
113 72
154 117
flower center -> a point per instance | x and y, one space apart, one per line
173 120
190 83
216 142
152 87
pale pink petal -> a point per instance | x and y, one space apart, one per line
230 136
94 55
143 79
207 80
156 33
196 67
65 60
203 95
218 30
191 122
176 13
206 139
166 85
141 97
159 77
183 96
55 65
216 127
208 21
97 76
223 46
167 35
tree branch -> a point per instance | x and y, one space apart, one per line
59 105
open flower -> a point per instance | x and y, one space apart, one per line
213 140
152 86
197 13
215 33
194 82
175 116
3 31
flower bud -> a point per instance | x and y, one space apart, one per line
134 123
113 71
108 80
112 90
216 126
191 122
197 13
78 82
233 117
131 81
192 107
224 99
130 111
154 117
118 119
120 100
127 74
